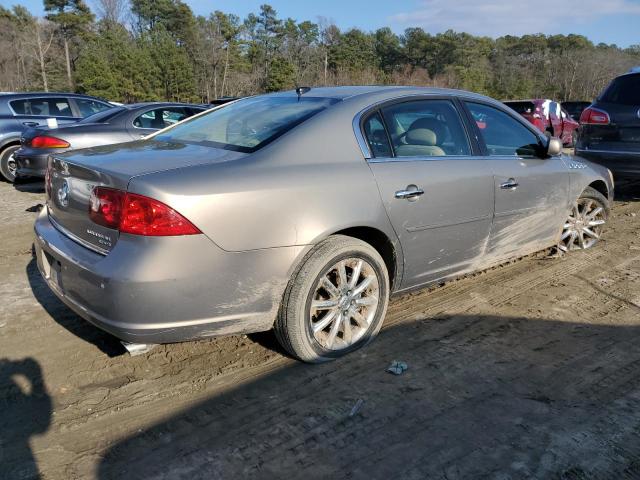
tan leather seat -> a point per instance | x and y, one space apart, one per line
421 142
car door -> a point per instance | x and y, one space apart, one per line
154 119
437 193
531 193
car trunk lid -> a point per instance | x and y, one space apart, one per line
72 177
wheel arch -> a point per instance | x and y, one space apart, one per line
383 245
600 186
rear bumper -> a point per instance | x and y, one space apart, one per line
163 290
621 163
31 165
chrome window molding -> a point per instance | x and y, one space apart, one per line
357 119
38 116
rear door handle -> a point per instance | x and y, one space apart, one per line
510 184
412 192
30 124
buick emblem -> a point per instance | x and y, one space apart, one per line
63 194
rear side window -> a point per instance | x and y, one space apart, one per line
248 124
46 107
623 90
426 128
89 107
161 117
503 134
376 136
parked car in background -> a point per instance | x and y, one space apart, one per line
302 211
21 111
575 109
222 100
549 117
610 132
116 125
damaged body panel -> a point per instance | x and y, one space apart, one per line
439 182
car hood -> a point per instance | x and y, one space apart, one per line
124 161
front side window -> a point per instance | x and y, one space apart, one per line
376 136
503 134
89 107
248 124
42 107
426 128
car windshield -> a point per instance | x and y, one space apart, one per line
623 90
247 124
103 116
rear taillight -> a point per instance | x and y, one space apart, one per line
136 214
45 141
594 116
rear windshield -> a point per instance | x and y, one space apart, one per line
521 107
247 124
623 90
104 116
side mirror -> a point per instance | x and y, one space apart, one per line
554 147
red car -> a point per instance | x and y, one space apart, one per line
548 116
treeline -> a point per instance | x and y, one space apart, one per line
141 50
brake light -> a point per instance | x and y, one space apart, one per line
594 116
45 141
136 214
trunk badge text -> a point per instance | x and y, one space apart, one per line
63 194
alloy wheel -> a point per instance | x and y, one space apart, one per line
584 226
344 303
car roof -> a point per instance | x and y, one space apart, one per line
345 92
12 95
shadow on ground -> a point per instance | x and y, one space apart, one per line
25 410
484 397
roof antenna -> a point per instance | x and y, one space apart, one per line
301 91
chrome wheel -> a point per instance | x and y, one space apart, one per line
12 165
344 303
584 225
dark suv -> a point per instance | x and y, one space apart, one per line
20 111
610 133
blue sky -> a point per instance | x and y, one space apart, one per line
609 21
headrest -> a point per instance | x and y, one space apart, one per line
421 136
432 124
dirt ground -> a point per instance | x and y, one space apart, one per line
529 370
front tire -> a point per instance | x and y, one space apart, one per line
8 165
587 219
335 302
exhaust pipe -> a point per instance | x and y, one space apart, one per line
136 349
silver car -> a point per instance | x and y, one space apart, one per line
303 211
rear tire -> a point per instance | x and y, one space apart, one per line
8 164
335 302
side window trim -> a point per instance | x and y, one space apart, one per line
475 145
481 143
47 99
364 119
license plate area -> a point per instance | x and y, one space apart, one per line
52 269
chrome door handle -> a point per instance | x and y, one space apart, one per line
411 192
510 184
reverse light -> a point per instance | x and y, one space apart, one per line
45 141
594 116
136 214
